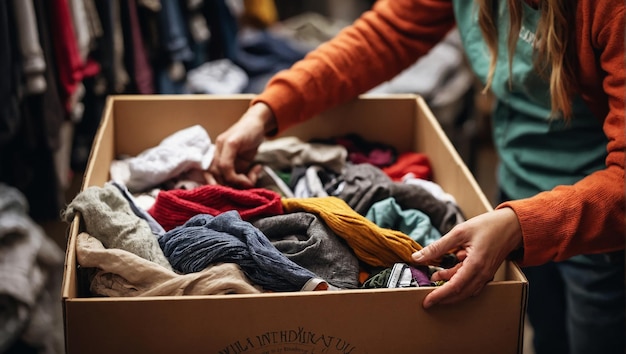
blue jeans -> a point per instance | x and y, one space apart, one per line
578 305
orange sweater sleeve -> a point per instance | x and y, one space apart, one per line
379 45
589 216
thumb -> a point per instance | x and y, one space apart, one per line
436 249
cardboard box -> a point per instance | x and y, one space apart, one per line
350 321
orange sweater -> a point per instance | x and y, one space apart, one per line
587 217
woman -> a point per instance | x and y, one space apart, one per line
557 70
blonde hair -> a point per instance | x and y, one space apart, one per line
552 44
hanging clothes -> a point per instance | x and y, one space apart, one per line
9 115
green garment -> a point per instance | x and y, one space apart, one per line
536 153
387 213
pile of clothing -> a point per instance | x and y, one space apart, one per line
332 214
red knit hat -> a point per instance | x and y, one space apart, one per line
174 207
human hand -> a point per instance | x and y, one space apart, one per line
484 242
236 148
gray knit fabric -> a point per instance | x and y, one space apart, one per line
305 239
107 216
155 227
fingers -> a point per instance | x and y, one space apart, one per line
209 178
437 249
459 287
229 177
463 281
223 168
236 148
446 274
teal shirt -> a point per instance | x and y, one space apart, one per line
536 153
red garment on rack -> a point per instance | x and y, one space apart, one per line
70 67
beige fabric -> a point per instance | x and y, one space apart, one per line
122 273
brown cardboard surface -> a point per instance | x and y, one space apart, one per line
354 321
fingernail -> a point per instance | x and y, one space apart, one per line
418 256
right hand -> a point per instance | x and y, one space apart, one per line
484 242
236 148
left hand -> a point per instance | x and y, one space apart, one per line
483 242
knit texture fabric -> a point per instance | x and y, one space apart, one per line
155 227
173 208
376 246
107 216
206 239
305 239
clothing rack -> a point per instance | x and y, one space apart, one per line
60 59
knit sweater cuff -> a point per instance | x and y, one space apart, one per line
286 102
539 247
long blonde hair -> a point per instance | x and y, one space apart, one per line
553 43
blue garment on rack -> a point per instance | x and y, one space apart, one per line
172 26
259 52
223 26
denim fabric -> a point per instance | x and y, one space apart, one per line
595 295
259 52
173 29
223 26
577 306
206 239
